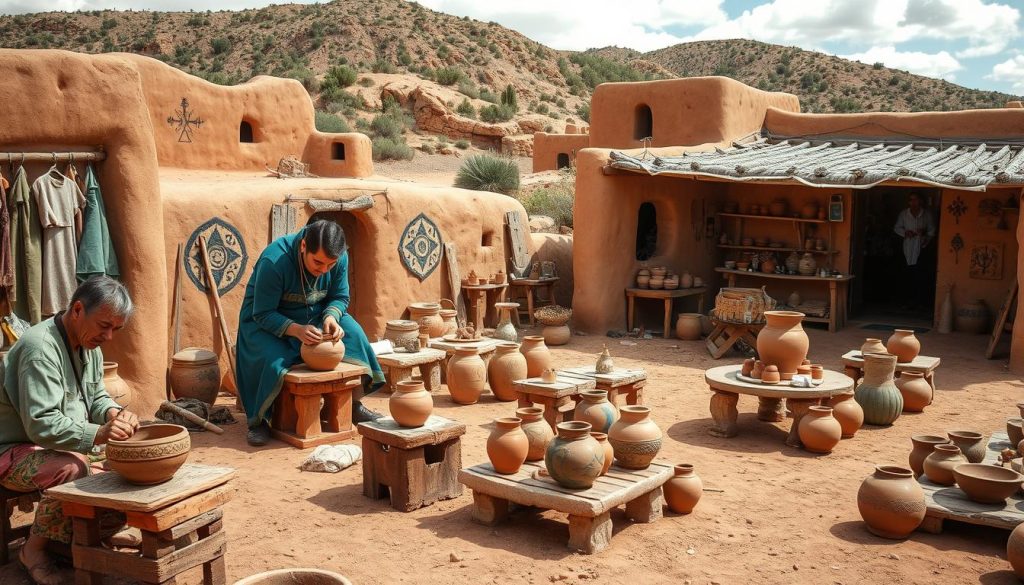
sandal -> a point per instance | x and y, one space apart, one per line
44 572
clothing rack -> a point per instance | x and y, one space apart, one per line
54 157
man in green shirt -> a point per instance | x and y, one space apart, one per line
54 408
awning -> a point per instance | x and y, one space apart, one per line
853 165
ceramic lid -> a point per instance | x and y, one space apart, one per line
403 325
193 355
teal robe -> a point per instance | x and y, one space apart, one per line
280 292
96 253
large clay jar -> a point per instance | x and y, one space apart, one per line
556 334
849 414
195 373
872 345
891 502
1015 551
635 438
938 465
507 445
152 455
573 458
971 444
466 375
877 393
538 431
683 490
972 317
903 345
609 454
923 447
808 265
783 342
538 357
398 331
411 404
507 366
916 391
428 314
595 409
688 326
323 356
819 431
117 388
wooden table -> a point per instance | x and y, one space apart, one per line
853 366
727 389
837 292
298 411
726 334
476 295
398 366
629 383
531 285
666 295
589 510
189 505
558 397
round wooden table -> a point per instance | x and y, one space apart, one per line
727 388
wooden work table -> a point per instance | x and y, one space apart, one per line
837 290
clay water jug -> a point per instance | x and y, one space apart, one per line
595 409
195 373
923 447
946 312
538 431
683 490
808 265
507 366
903 345
970 443
688 326
609 454
1015 551
604 363
783 342
938 465
573 458
323 356
686 280
972 317
891 502
428 314
872 345
411 404
118 389
467 375
916 391
819 431
507 445
635 438
538 357
877 393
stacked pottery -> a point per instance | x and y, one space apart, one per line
938 465
118 389
411 404
923 447
326 355
783 342
1015 551
595 409
556 334
903 345
916 391
538 357
877 393
656 282
195 374
819 431
635 438
397 331
683 490
872 345
573 458
643 278
891 502
972 317
538 431
688 326
609 454
507 366
671 282
467 375
428 314
507 445
970 443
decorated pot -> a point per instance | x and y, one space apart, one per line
903 345
872 345
938 465
507 366
118 389
411 404
152 455
326 355
792 263
972 317
573 458
891 502
609 454
397 331
195 373
1015 551
538 431
466 375
683 490
808 265
556 334
428 314
595 409
971 444
877 393
819 431
916 391
505 330
507 445
783 342
688 326
538 357
923 447
635 438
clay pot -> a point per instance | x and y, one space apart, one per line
938 465
507 445
152 455
819 431
916 391
595 409
758 370
771 375
686 280
538 431
538 357
609 454
923 447
768 266
556 334
397 331
1014 430
643 272
1015 550
411 404
451 321
659 271
635 438
987 484
118 389
428 314
295 577
195 373
783 342
499 277
656 282
808 265
604 363
818 372
877 393
671 283
549 376
872 345
506 330
643 281
507 366
972 317
1020 408
891 502
903 345
792 262
794 299
747 367
466 375
326 355
970 443
683 490
573 458
804 370
777 207
688 326
848 412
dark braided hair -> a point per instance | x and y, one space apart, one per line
325 235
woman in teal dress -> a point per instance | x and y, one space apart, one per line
298 293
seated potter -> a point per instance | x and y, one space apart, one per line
54 408
298 293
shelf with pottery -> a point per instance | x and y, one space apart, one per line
774 249
837 292
803 223
772 217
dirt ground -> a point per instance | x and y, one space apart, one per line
436 169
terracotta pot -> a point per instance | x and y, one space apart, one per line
635 438
671 283
792 262
643 281
783 342
804 370
1014 430
688 326
903 345
747 367
538 357
326 355
466 375
877 393
916 391
659 271
397 331
609 454
972 317
595 409
872 345
819 431
938 465
507 366
428 314
808 265
499 277
771 375
195 373
683 490
451 322
643 272
573 458
295 577
849 414
549 376
411 404
507 445
604 364
556 334
656 282
891 502
987 484
686 280
758 370
152 455
923 447
1015 550
768 266
809 210
119 390
971 444
818 372
538 431
1020 408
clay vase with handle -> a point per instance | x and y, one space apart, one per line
507 366
783 342
923 447
877 393
538 356
903 345
891 502
411 404
507 445
538 431
683 490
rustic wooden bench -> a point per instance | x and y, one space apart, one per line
398 366
299 418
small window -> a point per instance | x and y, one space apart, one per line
563 160
643 122
487 239
245 133
646 231
338 151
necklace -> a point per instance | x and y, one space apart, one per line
306 285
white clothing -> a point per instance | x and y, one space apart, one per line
922 226
59 200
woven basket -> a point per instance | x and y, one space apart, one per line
553 315
742 305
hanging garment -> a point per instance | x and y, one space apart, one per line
59 199
26 251
6 264
96 253
72 173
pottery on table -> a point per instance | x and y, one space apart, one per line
771 375
659 271
818 373
538 431
505 330
507 445
747 367
152 455
819 431
595 409
295 577
688 326
891 502
656 282
411 404
643 281
783 342
195 373
556 334
609 453
972 317
987 484
923 447
768 265
938 465
807 265
538 357
757 370
428 314
397 331
549 376
872 345
466 375
804 370
326 355
877 393
119 390
686 280
742 264
848 412
671 283
916 391
507 366
451 321
573 458
971 444
604 363
635 438
683 490
1020 408
903 345
1014 430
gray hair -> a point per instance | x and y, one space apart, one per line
103 291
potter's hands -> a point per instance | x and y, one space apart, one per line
332 331
117 428
125 415
307 334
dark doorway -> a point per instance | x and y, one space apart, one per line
646 231
563 160
245 133
643 123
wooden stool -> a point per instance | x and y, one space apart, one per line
298 410
186 506
8 500
398 367
558 397
414 466
726 334
529 286
628 383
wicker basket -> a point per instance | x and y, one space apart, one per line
553 315
742 305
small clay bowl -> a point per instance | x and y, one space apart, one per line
1014 430
771 375
152 455
817 372
987 484
743 265
295 577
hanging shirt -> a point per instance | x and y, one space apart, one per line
59 199
6 263
96 253
922 226
26 251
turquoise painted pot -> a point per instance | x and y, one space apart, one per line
596 410
573 458
877 393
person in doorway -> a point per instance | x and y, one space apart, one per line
917 228
54 409
298 293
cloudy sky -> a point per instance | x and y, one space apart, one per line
976 43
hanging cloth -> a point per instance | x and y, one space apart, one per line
96 253
59 200
26 251
72 173
6 265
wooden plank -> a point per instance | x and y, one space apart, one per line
301 374
436 430
190 526
618 377
403 359
164 518
517 234
924 364
110 490
1004 313
108 562
451 255
282 220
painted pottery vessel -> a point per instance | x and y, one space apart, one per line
152 455
195 373
604 364
808 265
1014 430
891 502
499 277
872 345
916 391
635 438
683 490
938 465
326 355
903 345
573 458
688 326
538 431
507 445
1015 551
506 330
556 334
295 577
819 431
411 404
398 330
972 317
538 357
923 447
428 314
609 454
595 409
119 390
971 444
848 412
783 342
877 393
466 375
507 366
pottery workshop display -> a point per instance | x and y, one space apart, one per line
683 490
538 431
891 502
903 345
195 373
326 355
595 409
783 342
466 375
938 465
923 445
152 455
573 458
411 404
635 437
398 331
507 366
877 393
538 357
507 445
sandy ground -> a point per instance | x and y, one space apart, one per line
436 169
776 514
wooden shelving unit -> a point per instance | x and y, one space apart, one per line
799 227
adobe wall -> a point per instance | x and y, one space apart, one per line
547 147
970 124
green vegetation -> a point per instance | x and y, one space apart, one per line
555 201
494 113
509 99
387 132
595 70
327 122
466 109
462 144
484 172
449 75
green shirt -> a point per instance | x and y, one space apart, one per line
42 400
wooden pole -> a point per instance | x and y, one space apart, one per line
177 299
211 289
191 417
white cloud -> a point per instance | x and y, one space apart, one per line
940 65
1012 71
